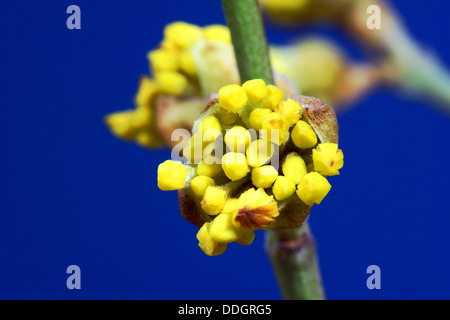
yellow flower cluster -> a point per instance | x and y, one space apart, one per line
174 73
255 124
192 62
173 65
137 124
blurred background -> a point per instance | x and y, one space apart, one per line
71 193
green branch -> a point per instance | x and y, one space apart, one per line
244 19
291 251
294 259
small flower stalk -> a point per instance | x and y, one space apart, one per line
255 160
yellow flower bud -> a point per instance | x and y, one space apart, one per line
213 60
279 7
257 116
199 185
142 117
318 69
294 167
217 32
207 243
146 91
328 159
283 188
147 139
171 175
182 34
232 97
186 62
290 110
264 177
235 165
223 230
213 152
256 210
259 152
120 124
274 97
303 135
209 128
193 151
237 139
274 128
256 90
313 188
163 60
209 170
171 82
169 45
213 200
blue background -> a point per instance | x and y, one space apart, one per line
73 194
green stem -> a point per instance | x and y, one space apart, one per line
294 259
244 19
292 251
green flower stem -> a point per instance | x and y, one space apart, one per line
292 251
294 259
244 19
